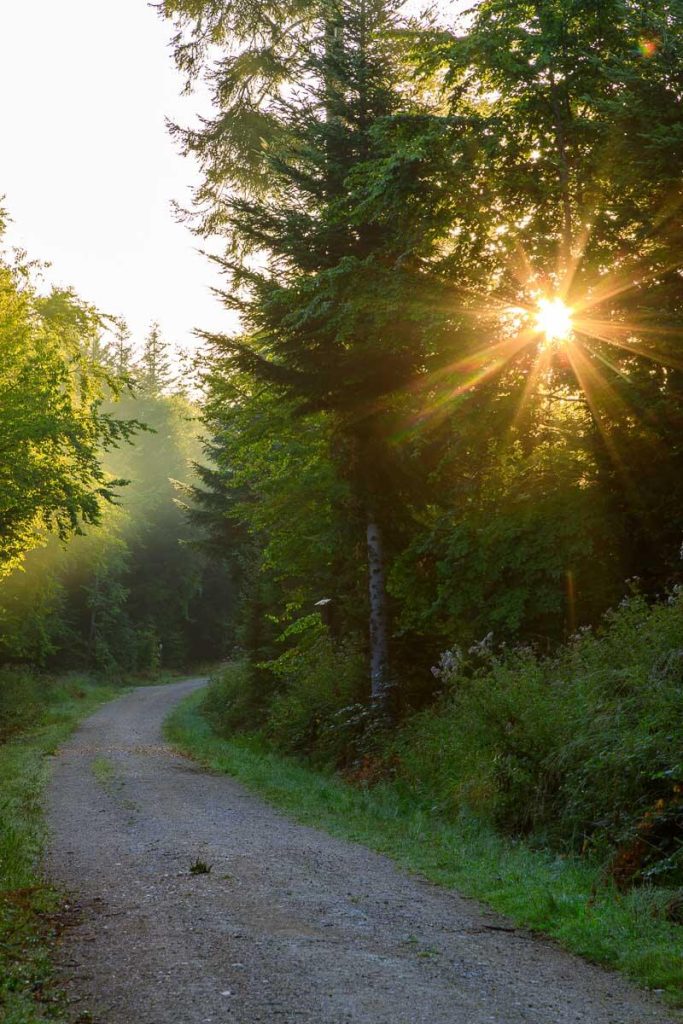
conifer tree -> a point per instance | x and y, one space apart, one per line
155 367
341 318
121 351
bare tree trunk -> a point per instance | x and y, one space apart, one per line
379 641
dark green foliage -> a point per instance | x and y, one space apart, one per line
232 702
575 749
320 690
579 751
413 192
341 315
23 695
200 867
518 540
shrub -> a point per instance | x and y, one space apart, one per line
321 682
582 750
232 702
25 696
22 697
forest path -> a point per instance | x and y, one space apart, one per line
290 926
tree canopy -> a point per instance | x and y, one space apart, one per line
53 426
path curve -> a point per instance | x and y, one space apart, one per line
291 926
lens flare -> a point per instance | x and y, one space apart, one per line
648 47
554 320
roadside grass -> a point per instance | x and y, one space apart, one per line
26 902
563 897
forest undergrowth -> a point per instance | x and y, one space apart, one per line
548 787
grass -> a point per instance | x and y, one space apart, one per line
104 771
563 897
26 902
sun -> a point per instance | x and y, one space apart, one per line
554 320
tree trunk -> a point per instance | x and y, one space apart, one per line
379 643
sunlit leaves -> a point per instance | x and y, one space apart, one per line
52 427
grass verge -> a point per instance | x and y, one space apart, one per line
560 896
26 903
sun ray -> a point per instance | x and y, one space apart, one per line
600 332
476 369
541 366
605 403
611 366
619 283
592 383
563 314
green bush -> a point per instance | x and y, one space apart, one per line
310 701
580 750
22 698
317 711
231 702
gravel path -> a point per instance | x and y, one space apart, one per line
290 926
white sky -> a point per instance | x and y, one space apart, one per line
86 164
87 167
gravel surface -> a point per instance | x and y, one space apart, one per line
290 925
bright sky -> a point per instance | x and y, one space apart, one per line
87 167
86 164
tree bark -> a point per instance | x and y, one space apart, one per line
379 641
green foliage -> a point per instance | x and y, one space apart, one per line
520 548
22 697
321 685
576 751
441 181
128 594
53 429
343 315
163 572
573 750
32 610
154 370
231 702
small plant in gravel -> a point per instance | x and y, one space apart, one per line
200 867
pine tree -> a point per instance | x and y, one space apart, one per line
121 351
342 318
155 367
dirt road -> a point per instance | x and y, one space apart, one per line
290 925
